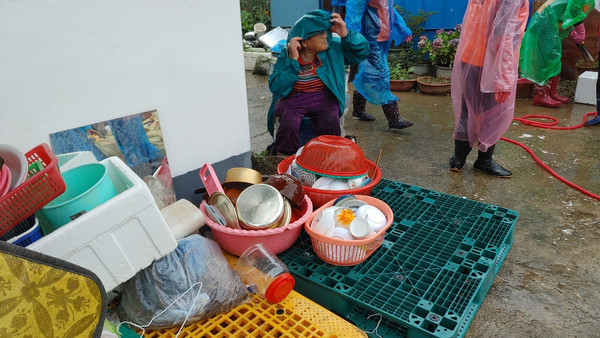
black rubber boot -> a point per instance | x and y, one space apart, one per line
359 103
484 163
596 120
461 150
395 123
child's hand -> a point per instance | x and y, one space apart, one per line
294 47
408 39
339 26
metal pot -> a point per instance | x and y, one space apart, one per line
260 206
241 177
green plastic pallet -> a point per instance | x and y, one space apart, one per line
431 273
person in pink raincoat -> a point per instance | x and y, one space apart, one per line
484 79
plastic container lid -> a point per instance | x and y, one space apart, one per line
279 288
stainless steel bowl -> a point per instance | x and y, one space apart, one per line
226 208
287 215
260 206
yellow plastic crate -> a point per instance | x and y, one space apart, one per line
296 316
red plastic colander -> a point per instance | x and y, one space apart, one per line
320 197
335 156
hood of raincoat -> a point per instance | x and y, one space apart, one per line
310 24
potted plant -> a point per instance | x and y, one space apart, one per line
400 78
582 65
423 65
434 85
416 60
253 12
442 49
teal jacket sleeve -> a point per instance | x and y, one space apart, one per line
285 74
355 48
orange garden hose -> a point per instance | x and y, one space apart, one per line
550 125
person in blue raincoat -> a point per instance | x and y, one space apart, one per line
309 78
381 24
73 140
141 156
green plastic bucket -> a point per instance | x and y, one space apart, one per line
88 186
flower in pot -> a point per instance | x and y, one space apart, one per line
442 48
423 65
407 53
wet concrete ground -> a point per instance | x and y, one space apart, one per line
549 284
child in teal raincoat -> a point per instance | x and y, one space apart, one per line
308 78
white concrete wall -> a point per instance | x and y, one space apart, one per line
68 63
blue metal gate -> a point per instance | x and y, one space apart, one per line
451 12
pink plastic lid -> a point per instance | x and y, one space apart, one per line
279 288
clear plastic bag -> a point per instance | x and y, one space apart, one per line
193 281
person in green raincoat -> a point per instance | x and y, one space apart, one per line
541 49
308 79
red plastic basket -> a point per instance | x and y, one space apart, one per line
346 253
320 197
29 197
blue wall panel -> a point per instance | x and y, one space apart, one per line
450 12
285 12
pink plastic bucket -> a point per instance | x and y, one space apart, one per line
277 240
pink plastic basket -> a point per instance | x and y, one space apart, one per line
236 241
345 253
320 197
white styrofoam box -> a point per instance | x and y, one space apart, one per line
118 238
586 88
75 159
